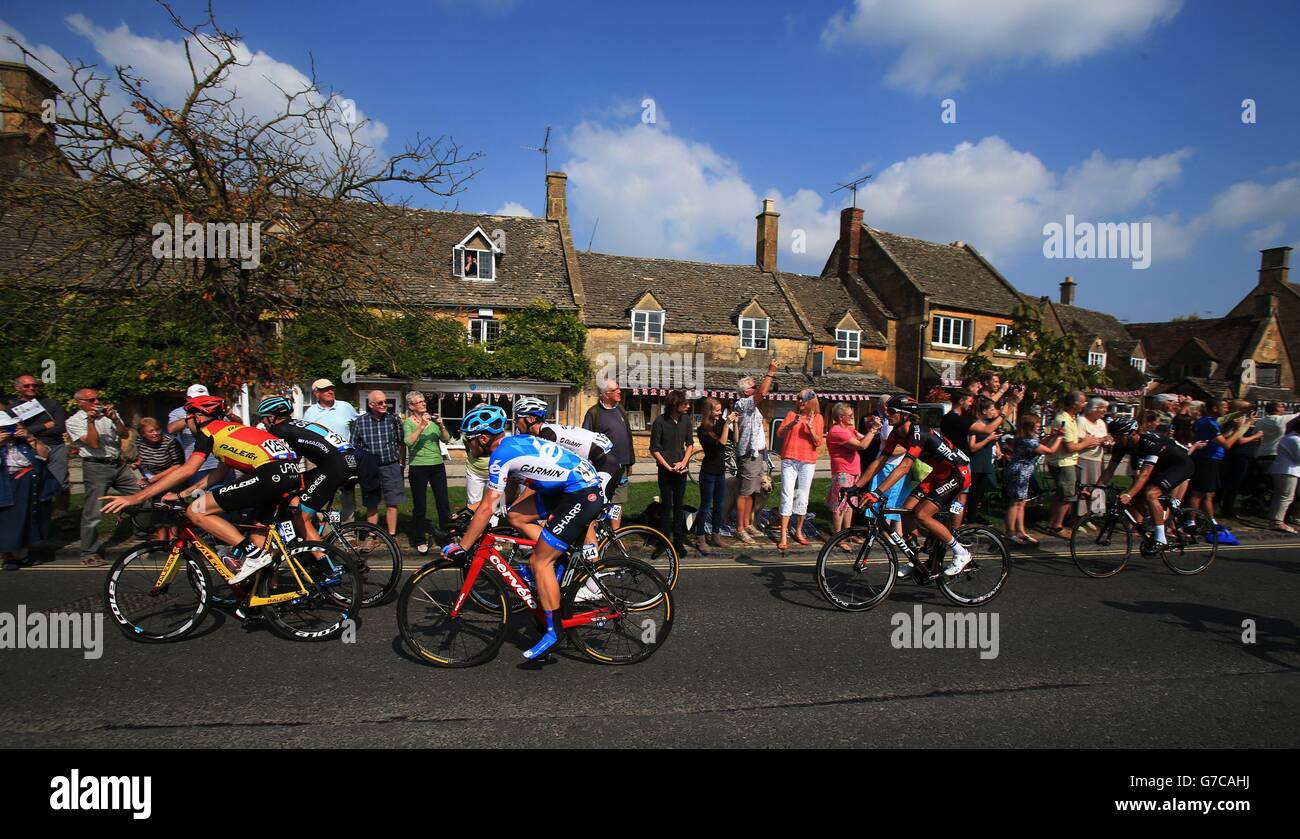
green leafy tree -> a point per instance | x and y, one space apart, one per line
1052 365
545 343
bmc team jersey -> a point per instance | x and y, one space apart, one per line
926 445
311 440
241 447
544 466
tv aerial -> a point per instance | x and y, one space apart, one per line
544 148
852 186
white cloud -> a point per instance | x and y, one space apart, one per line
1266 237
657 194
514 208
942 41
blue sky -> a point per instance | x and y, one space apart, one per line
1112 111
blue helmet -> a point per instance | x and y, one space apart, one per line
485 419
274 406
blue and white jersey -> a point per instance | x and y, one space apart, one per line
544 466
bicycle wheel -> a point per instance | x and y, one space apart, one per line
380 567
858 579
1193 545
627 619
1102 544
646 544
154 616
986 575
333 592
430 631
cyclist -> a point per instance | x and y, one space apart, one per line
563 483
948 478
271 465
333 461
1160 463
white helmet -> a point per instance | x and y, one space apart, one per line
531 406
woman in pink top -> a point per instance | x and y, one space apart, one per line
844 442
801 435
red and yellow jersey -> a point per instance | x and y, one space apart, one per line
239 446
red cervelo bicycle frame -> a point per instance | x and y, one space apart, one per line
487 554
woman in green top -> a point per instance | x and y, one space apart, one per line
422 433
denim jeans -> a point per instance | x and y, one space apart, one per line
713 494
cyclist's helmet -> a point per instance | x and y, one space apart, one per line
531 406
902 403
486 419
277 406
211 406
1121 427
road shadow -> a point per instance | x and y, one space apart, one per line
1290 566
1274 637
796 585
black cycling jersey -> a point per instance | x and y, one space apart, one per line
926 445
1153 448
312 441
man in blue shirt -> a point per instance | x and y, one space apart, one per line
1205 481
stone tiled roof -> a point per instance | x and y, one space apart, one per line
1223 338
531 268
952 276
699 297
825 301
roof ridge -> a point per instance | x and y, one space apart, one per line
738 265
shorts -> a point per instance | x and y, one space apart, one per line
391 487
750 474
573 513
943 485
897 493
620 488
321 483
474 485
839 480
1205 475
269 485
610 479
1169 474
1067 482
1016 478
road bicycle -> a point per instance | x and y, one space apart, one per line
160 591
372 550
457 613
641 542
1102 544
862 577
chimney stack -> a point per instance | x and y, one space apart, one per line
557 203
766 243
1067 291
1275 266
850 240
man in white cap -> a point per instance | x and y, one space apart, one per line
176 427
337 417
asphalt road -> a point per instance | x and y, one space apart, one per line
756 658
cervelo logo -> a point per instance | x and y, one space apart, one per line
103 792
522 590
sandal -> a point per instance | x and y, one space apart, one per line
1029 540
1017 539
801 539
783 547
1280 527
92 561
846 547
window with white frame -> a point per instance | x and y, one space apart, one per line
848 345
1139 363
952 332
1096 359
647 326
1003 329
484 331
753 333
473 264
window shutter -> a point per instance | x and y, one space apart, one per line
486 265
458 262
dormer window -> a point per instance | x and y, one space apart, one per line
1139 363
474 258
848 345
753 333
647 327
1097 359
